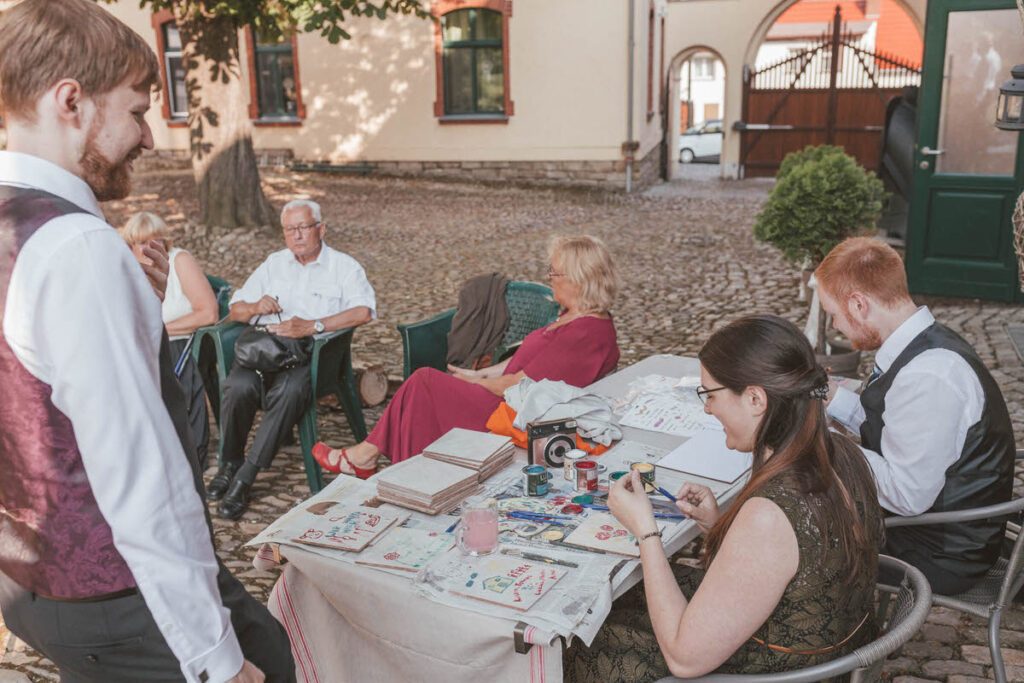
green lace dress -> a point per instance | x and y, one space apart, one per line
817 610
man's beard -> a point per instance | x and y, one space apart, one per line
107 179
864 338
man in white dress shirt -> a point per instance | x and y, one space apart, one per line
108 566
303 290
932 421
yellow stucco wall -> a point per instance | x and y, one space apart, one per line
372 97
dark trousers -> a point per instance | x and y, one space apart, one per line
115 641
942 581
195 401
283 395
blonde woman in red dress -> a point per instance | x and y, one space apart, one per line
578 348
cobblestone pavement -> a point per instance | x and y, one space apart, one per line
688 263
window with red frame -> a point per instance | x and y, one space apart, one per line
276 85
473 62
174 72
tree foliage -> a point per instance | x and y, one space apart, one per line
276 17
821 197
220 133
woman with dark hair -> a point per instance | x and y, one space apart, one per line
789 569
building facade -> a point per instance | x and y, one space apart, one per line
548 91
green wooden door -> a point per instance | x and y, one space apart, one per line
967 172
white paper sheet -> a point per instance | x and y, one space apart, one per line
665 404
706 455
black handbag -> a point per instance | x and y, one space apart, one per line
263 351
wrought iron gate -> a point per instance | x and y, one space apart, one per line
833 92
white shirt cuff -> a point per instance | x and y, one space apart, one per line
220 664
845 409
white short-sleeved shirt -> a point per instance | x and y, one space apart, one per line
333 283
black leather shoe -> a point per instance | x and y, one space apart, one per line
235 502
221 481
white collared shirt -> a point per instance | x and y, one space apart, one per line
333 283
929 408
82 318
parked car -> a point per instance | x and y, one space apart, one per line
701 143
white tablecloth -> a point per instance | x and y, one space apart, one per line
352 623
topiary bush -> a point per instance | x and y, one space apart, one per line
821 197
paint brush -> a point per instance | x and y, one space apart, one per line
537 558
666 494
657 515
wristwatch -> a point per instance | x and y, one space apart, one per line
318 326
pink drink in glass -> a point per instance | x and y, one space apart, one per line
478 532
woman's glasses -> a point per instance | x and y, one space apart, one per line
702 393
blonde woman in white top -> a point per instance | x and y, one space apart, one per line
189 304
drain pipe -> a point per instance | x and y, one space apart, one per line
629 146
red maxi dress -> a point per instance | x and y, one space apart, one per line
431 402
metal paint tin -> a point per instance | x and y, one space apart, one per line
535 480
646 471
586 476
615 476
569 464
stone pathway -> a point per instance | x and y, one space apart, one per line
688 264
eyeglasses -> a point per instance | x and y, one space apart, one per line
702 393
294 230
552 275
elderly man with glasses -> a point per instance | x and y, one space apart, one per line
306 289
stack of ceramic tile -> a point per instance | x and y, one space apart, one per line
481 451
427 485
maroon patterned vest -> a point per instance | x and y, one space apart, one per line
53 539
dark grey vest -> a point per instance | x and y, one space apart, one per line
953 554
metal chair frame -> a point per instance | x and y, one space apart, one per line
899 620
989 597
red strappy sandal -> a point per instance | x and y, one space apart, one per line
322 454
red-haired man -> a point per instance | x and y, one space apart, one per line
932 421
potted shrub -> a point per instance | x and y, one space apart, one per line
821 197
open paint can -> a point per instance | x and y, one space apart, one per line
535 480
586 476
646 471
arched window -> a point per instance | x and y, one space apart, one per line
473 62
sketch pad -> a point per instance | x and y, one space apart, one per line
706 455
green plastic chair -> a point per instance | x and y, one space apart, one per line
222 290
425 342
206 357
330 367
